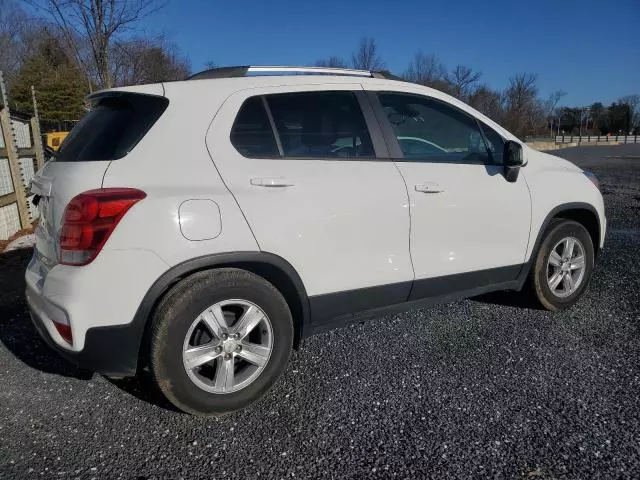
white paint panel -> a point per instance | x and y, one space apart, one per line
106 292
554 181
153 223
200 219
27 170
6 185
9 221
476 221
22 132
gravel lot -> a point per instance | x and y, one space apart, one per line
463 390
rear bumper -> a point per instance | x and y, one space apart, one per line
99 302
108 350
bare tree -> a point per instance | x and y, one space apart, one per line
367 58
523 111
551 108
461 79
521 90
13 22
633 102
99 23
489 102
425 69
331 62
144 60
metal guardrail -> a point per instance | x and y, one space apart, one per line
597 139
586 139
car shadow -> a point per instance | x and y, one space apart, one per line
509 299
143 388
17 332
19 336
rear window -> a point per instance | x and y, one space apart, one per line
112 128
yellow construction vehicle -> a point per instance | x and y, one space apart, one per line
55 139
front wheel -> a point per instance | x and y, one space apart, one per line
220 339
563 265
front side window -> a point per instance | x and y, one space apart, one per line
430 130
320 124
495 143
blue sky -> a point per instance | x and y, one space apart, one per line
558 40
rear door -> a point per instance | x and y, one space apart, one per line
301 162
116 122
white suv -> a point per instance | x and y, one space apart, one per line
203 228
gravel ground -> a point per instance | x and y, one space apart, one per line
463 390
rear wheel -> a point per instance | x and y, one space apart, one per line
220 339
563 265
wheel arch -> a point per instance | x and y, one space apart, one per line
583 213
588 218
272 268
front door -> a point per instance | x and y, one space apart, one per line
469 225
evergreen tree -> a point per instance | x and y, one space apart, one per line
60 85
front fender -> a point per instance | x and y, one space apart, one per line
556 190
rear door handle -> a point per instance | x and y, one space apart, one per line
271 182
429 187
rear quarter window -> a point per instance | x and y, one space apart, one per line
114 125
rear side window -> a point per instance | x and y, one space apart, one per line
112 128
307 125
320 124
252 134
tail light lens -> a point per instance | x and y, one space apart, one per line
64 330
89 220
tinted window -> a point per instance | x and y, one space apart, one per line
495 143
251 133
320 124
114 125
430 130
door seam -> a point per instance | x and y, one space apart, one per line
406 189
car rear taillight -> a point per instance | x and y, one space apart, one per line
90 218
64 329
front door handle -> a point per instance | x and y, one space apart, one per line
271 182
429 187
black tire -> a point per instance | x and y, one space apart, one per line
558 230
182 305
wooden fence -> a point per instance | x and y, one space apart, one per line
21 154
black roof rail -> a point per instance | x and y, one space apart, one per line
386 75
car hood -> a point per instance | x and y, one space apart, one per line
546 160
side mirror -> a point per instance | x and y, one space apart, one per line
512 159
